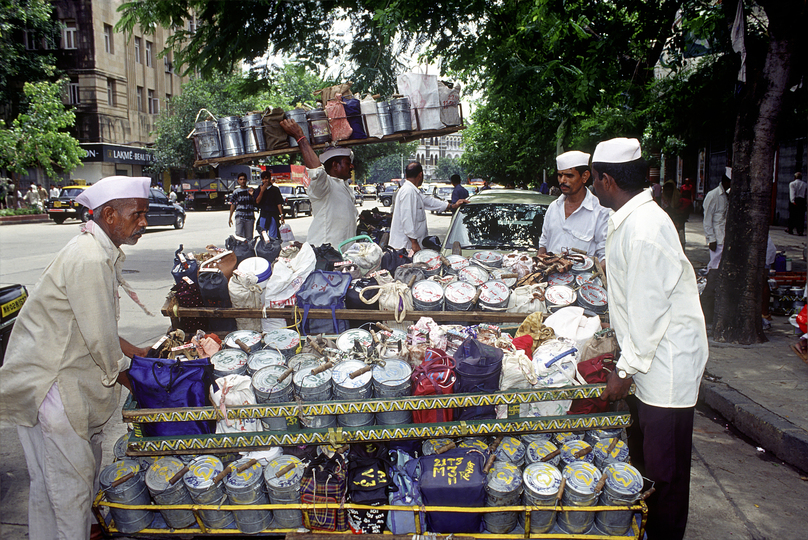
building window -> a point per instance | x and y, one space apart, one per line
139 94
192 25
148 53
30 40
167 63
138 46
108 45
154 103
69 34
110 92
73 93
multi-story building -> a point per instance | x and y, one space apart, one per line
431 149
118 86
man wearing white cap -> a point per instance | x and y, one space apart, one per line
654 310
59 383
576 219
333 203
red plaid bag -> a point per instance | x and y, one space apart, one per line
324 482
436 375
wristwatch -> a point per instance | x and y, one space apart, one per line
622 374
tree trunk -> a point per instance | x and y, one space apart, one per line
741 274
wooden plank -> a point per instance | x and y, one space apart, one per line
321 536
395 137
467 317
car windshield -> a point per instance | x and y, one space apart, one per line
286 190
71 192
444 191
498 226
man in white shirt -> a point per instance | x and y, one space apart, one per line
654 309
60 380
796 208
54 192
333 203
408 227
716 205
576 219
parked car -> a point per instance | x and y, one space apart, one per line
65 206
442 192
501 220
369 191
12 297
163 212
295 200
359 199
387 194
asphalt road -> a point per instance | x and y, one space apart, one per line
737 491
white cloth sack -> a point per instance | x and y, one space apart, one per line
395 296
528 299
518 263
450 104
553 374
571 323
424 96
245 292
366 255
286 279
234 391
368 107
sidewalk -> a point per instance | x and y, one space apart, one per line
761 389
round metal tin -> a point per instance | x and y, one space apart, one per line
284 340
488 258
394 373
538 449
299 360
579 267
288 479
560 295
582 477
474 275
504 477
623 479
341 374
118 470
542 479
345 341
475 443
119 450
457 262
460 292
304 379
494 293
202 471
594 436
511 449
263 358
429 445
265 380
427 292
430 257
592 296
604 457
560 279
528 438
229 361
569 448
580 279
563 436
250 338
161 471
246 478
497 274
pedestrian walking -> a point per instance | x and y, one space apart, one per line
655 314
270 206
796 208
243 205
716 206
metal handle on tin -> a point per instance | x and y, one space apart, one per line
284 470
243 346
247 465
218 478
324 367
647 494
121 480
551 455
360 371
176 478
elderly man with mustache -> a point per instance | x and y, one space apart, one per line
65 361
576 219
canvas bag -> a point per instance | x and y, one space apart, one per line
406 494
234 391
478 369
266 247
274 135
245 292
327 255
395 297
369 481
323 290
561 371
337 121
240 246
160 383
442 484
371 114
188 296
366 255
434 376
352 300
353 110
449 104
424 98
287 277
184 267
393 258
324 481
593 371
527 299
213 287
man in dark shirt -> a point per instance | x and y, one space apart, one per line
270 205
459 192
244 207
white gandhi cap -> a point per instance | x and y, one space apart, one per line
571 159
114 187
620 150
335 151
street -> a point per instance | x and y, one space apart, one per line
737 491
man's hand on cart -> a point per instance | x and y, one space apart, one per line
616 388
